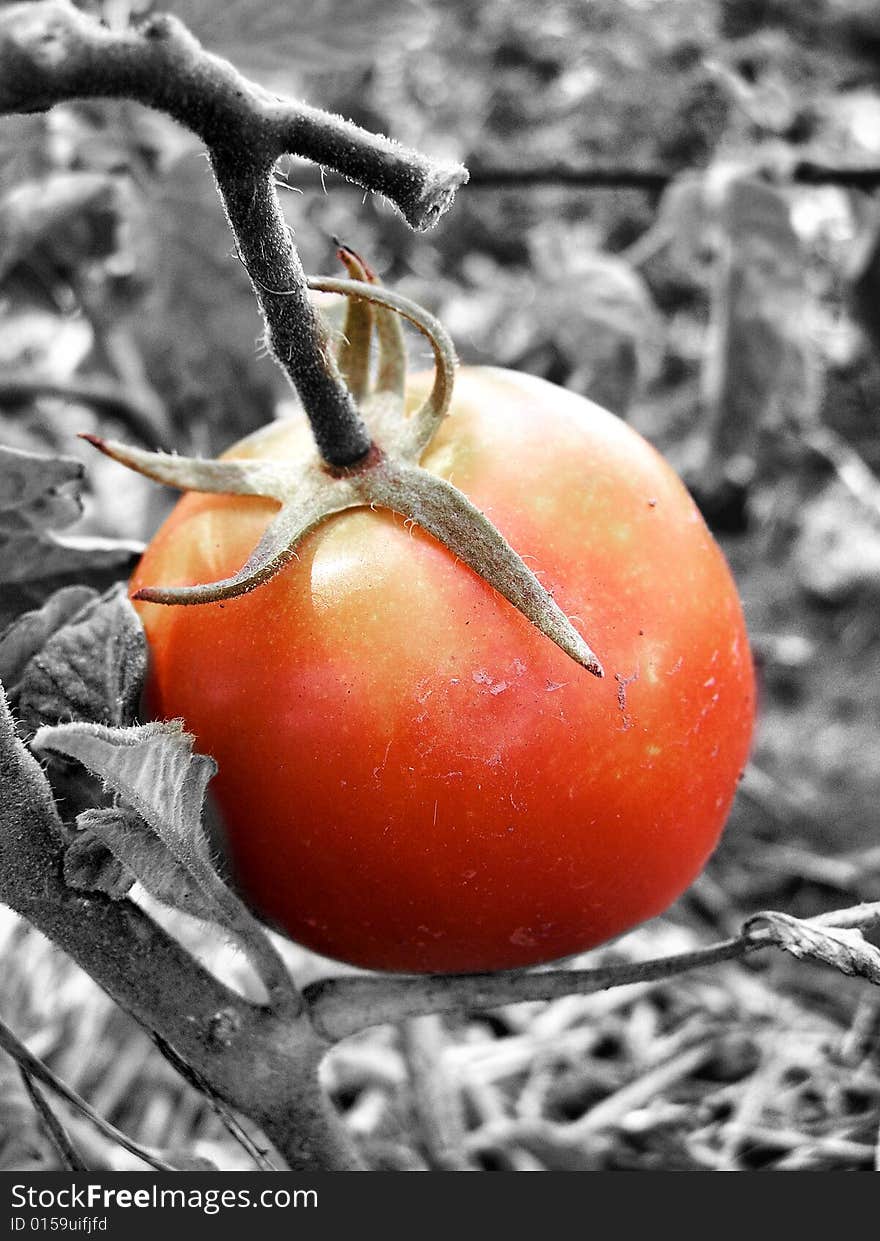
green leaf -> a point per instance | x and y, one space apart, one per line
30 830
29 633
589 314
604 324
37 494
115 848
153 769
92 668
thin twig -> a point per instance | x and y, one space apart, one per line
652 179
34 1067
239 1133
57 1134
342 1006
225 1114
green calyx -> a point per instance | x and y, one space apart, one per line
389 476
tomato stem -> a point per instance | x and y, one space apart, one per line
341 1007
295 332
387 475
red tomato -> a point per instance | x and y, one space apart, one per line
411 776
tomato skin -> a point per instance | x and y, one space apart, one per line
411 776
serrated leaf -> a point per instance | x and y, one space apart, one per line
91 669
153 769
27 635
26 803
115 847
39 492
89 865
591 313
845 949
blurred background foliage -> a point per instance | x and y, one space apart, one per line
726 307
